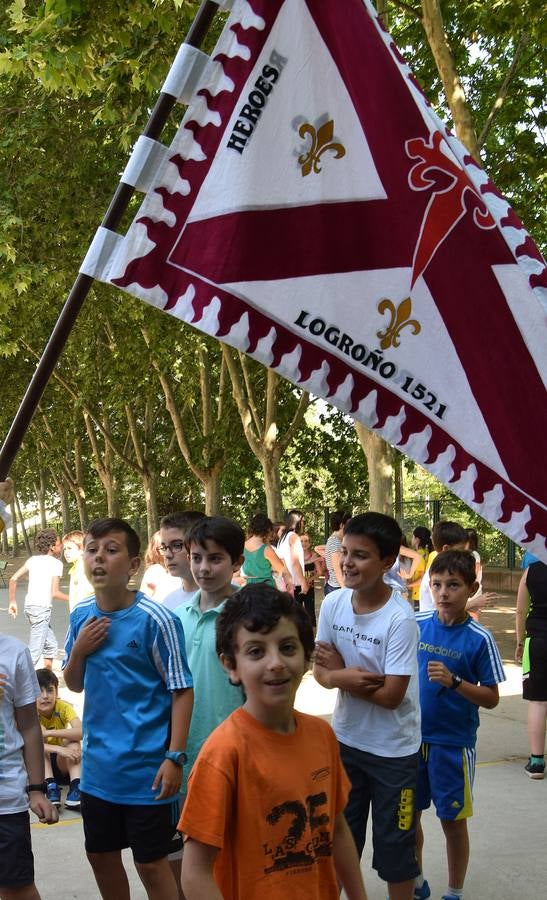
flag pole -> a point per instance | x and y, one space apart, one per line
82 284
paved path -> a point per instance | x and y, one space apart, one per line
508 831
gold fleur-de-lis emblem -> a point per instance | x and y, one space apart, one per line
321 141
400 318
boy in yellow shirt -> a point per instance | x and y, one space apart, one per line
62 732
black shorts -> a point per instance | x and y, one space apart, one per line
150 831
60 777
16 860
534 669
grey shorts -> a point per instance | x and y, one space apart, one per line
388 785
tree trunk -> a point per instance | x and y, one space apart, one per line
40 491
397 484
80 488
14 532
453 88
272 487
61 489
23 529
211 487
380 469
149 485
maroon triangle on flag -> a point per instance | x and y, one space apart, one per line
314 212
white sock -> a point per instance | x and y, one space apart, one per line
454 892
419 880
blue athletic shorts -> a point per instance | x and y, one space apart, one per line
446 775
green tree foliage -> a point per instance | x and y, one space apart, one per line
77 81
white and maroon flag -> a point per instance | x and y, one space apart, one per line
314 212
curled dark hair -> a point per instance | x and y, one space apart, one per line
455 562
101 527
45 540
260 525
258 608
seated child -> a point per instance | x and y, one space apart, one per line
460 668
264 814
62 732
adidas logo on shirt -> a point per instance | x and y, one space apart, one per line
133 644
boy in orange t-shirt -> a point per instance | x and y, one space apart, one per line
264 814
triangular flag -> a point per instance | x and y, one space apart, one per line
314 212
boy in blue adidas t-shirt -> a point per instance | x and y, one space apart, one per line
128 654
460 669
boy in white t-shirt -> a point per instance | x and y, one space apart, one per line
44 571
21 770
367 648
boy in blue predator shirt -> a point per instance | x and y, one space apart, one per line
128 654
460 669
366 647
264 817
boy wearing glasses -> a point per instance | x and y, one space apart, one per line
174 530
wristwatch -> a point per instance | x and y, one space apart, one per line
42 787
177 756
456 681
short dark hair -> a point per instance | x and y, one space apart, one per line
260 525
45 540
450 533
47 678
382 530
224 532
258 608
472 538
100 527
182 520
338 518
455 562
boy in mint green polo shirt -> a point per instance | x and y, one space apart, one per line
215 546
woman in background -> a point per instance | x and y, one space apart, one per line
261 562
156 581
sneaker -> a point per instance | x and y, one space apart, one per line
536 771
73 798
53 793
421 893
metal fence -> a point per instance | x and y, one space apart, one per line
495 549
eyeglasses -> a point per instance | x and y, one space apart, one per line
173 547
